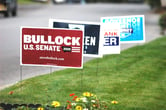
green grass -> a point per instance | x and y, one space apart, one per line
136 79
28 2
25 1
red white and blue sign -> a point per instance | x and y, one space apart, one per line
51 47
110 36
92 44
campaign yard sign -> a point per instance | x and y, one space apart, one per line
51 47
92 44
110 36
132 28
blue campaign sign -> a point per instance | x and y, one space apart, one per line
91 34
132 28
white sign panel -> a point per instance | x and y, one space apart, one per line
110 36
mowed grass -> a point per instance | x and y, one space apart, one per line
25 1
28 2
136 79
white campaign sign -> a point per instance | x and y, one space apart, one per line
110 36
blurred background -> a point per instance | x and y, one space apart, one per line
36 13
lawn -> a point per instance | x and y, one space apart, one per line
25 1
136 79
28 2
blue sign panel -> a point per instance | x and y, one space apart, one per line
91 34
131 28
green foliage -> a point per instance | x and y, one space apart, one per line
23 108
29 2
136 79
25 1
113 1
154 3
162 22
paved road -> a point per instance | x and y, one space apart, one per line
38 15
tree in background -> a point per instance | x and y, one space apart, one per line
154 3
162 23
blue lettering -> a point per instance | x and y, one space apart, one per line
111 41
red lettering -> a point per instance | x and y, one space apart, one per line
110 34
